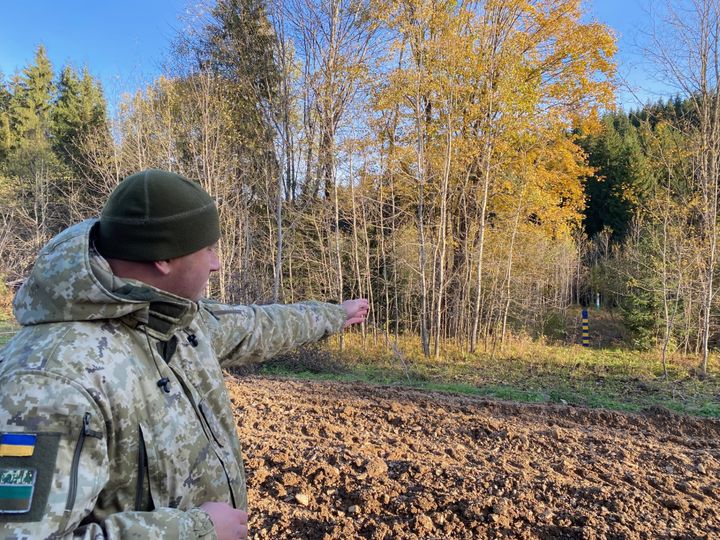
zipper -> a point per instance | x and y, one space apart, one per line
213 427
84 432
216 432
142 468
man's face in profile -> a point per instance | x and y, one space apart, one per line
189 274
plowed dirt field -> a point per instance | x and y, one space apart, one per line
341 461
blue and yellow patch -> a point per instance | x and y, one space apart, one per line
16 490
27 468
17 444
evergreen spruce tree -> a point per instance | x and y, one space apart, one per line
31 103
621 179
5 133
79 109
239 45
66 112
34 176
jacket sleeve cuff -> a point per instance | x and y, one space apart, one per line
202 525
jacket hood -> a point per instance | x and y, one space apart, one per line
72 282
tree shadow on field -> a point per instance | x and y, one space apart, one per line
552 532
311 358
309 529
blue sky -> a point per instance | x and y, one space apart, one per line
629 20
122 42
125 42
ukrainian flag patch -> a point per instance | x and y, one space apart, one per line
16 490
17 444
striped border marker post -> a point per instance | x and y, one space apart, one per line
585 329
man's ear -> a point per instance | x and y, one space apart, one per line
162 266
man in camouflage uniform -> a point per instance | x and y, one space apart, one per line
114 420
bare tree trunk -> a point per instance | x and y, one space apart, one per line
277 277
481 244
420 154
384 263
442 235
687 50
508 272
396 287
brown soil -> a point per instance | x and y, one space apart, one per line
337 461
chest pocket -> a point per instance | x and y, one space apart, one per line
150 488
213 424
233 469
143 494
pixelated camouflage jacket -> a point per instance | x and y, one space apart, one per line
121 385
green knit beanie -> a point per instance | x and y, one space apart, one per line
156 215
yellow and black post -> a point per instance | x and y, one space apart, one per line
585 329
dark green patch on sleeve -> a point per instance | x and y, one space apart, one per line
29 477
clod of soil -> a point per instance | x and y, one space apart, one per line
338 461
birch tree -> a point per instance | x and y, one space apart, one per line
686 49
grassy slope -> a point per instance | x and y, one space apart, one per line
7 330
527 371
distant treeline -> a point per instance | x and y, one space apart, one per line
448 161
652 214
